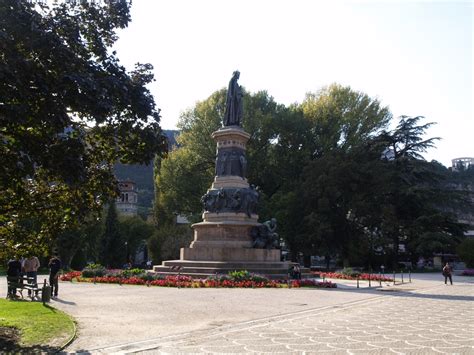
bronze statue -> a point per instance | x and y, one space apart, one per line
264 235
233 105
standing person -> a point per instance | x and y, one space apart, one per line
447 273
30 267
54 267
297 271
13 274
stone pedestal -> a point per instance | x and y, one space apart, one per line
222 242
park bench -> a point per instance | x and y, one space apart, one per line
26 283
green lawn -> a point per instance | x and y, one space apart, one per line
38 324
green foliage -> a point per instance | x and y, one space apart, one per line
244 275
466 251
94 270
112 246
134 231
132 272
350 272
342 118
166 242
81 241
81 244
68 112
239 275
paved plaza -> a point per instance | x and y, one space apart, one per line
423 317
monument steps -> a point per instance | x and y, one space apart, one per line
222 270
203 269
282 276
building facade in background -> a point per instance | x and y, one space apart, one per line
465 216
462 163
127 202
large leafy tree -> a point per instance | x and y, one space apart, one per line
68 111
80 240
135 231
340 123
413 193
405 200
342 118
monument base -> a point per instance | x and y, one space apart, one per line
230 254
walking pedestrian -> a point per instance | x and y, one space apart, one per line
54 267
447 273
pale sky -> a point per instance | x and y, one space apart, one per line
414 56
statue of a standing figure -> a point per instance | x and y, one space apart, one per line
233 105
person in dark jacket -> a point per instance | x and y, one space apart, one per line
54 267
13 274
447 273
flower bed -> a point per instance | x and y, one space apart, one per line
362 276
313 283
250 281
468 272
70 276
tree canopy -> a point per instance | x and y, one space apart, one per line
68 111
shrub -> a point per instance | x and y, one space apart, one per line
363 276
166 242
94 270
468 272
132 272
465 251
151 277
350 272
244 275
312 283
239 275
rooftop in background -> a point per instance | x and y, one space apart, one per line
462 163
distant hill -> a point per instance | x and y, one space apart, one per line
142 175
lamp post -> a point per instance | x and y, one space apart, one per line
126 252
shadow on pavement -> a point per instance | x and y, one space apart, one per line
10 346
431 296
63 301
398 292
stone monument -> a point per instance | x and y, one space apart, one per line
230 236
